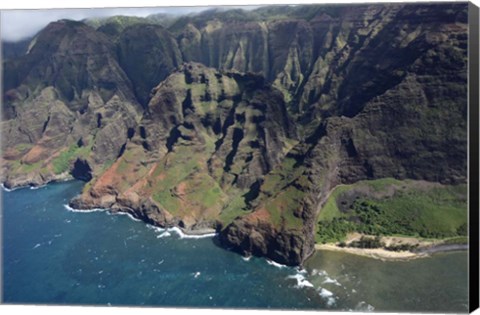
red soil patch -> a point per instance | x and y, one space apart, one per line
109 177
11 154
36 154
181 189
259 215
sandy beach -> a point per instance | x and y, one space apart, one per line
377 253
424 248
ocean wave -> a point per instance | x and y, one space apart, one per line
8 189
246 258
164 234
155 228
37 187
364 307
127 214
83 211
275 264
180 234
328 295
301 281
325 293
301 270
330 280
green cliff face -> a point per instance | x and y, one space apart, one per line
241 121
67 98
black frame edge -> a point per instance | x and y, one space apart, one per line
473 46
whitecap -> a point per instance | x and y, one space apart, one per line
7 189
36 187
325 293
36 246
155 228
328 295
246 258
127 214
364 306
164 234
275 264
330 301
183 235
330 280
197 274
301 270
84 210
301 281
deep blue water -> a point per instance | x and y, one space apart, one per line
55 256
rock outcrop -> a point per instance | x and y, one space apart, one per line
240 121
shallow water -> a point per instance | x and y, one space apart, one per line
55 256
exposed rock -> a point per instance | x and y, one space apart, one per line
238 119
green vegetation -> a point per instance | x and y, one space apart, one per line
170 176
234 208
367 242
414 209
20 167
333 230
282 207
206 191
62 162
27 168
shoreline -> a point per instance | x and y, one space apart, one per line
426 248
182 232
387 255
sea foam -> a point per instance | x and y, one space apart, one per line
330 280
364 306
83 211
328 295
7 189
127 214
183 235
37 187
164 234
275 264
301 281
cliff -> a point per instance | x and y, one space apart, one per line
240 121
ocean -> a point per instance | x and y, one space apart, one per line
52 255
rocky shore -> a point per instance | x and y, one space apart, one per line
240 123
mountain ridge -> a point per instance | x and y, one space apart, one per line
241 121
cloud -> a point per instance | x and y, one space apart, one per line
20 24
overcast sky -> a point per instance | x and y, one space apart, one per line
20 24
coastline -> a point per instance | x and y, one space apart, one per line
181 232
425 249
387 255
376 253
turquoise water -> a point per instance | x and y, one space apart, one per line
55 256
